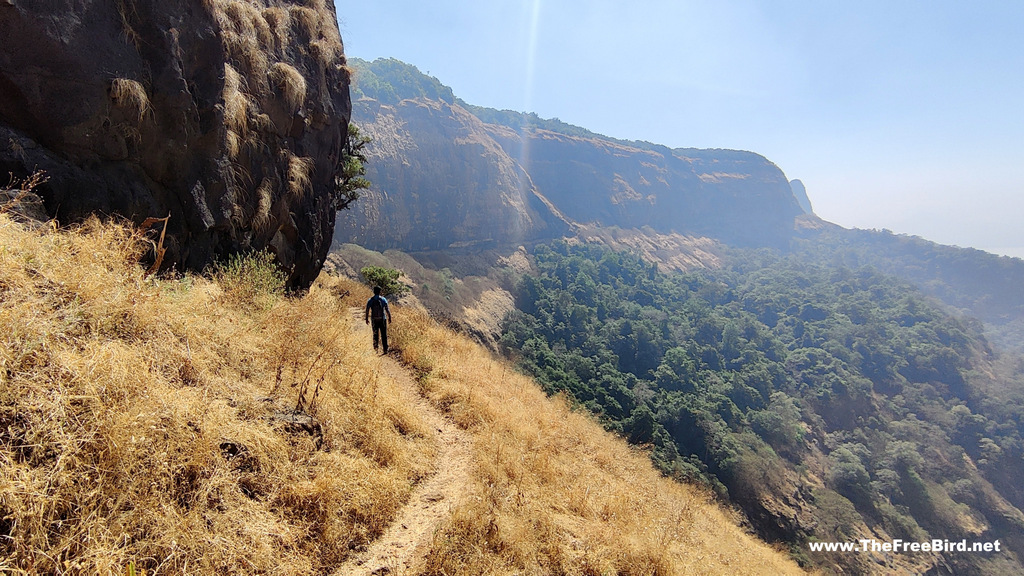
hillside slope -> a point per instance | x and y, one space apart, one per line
978 284
197 426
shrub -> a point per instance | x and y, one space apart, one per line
387 279
251 279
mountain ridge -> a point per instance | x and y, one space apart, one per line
570 175
791 224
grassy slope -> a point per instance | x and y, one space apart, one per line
140 423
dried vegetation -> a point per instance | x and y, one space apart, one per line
205 426
130 95
177 427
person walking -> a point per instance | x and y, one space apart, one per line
377 310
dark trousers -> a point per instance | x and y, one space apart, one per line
380 333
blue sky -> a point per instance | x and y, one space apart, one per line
900 115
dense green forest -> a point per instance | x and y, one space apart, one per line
827 402
981 285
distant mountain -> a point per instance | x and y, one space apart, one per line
447 174
975 283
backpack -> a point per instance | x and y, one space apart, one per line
377 304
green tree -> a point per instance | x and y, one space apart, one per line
350 181
386 279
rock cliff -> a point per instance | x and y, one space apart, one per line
447 174
735 196
800 193
440 180
230 116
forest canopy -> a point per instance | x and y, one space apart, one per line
772 376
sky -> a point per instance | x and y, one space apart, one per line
903 115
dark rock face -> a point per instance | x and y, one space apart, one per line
230 116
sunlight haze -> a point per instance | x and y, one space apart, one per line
904 116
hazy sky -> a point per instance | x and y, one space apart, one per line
895 114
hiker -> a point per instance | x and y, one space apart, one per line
377 310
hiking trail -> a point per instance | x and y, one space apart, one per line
404 546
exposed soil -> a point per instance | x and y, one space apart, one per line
405 545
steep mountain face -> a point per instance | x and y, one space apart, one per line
446 175
229 116
739 197
441 180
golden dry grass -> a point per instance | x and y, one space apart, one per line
246 36
152 423
279 22
306 21
144 422
264 198
299 172
130 95
236 102
290 83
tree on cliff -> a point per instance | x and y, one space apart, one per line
351 180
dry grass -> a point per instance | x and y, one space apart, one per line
246 36
153 423
275 56
236 102
305 21
555 494
290 83
130 95
299 172
146 422
279 22
19 200
232 143
264 199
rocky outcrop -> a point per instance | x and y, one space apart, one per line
444 177
228 115
440 180
800 193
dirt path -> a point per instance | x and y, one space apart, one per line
404 546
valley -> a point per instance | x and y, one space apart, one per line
791 366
